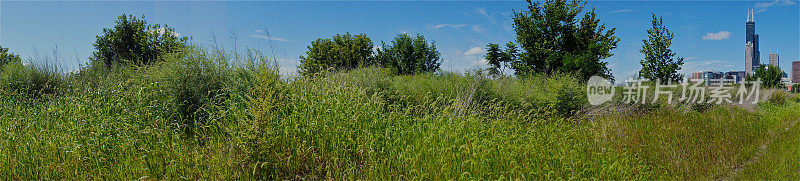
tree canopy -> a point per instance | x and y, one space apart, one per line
658 63
7 57
498 58
342 52
409 55
554 40
770 76
132 41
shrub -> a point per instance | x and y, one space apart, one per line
196 80
770 76
551 95
342 52
30 80
134 42
409 55
795 88
7 57
778 97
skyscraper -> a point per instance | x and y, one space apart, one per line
748 59
796 72
774 60
752 55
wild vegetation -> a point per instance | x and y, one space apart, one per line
226 120
193 112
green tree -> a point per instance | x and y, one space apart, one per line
770 76
494 57
342 52
8 57
409 55
498 59
554 40
658 63
134 42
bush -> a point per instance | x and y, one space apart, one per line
7 57
196 81
778 97
134 42
342 52
30 80
551 95
409 55
795 88
770 77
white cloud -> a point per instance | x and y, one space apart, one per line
448 25
474 51
622 11
761 7
722 35
714 61
259 31
268 38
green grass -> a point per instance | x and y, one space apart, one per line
216 115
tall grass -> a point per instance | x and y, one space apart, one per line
214 114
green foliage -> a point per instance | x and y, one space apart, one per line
554 40
679 143
362 124
769 75
134 42
494 58
196 80
342 52
244 121
7 57
409 55
778 97
658 63
499 59
795 88
31 80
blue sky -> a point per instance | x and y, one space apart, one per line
709 34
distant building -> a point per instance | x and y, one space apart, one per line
796 72
696 76
752 55
711 78
750 64
774 60
737 76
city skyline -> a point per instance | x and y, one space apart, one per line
708 35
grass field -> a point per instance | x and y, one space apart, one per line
219 115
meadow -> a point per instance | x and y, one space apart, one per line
215 114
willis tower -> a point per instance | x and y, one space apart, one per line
752 55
